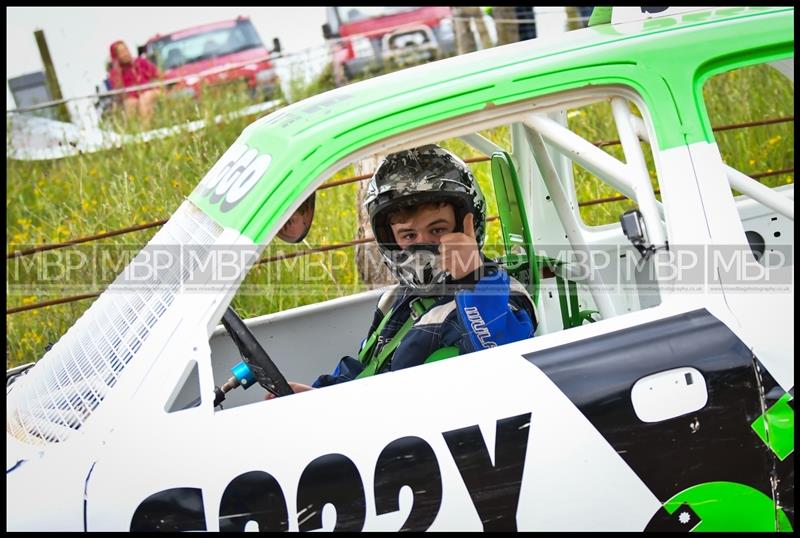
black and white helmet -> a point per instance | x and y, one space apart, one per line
410 178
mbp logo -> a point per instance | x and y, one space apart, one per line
234 175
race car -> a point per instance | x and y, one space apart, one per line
656 394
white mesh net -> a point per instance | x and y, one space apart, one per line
56 397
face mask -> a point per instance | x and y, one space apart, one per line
419 265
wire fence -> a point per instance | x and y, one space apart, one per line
269 259
362 177
32 130
337 246
83 133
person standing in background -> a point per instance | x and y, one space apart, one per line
527 22
584 12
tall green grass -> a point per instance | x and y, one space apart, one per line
57 200
744 95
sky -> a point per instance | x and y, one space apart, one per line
79 37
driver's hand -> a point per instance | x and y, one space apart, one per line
296 387
460 252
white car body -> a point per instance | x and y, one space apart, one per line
643 420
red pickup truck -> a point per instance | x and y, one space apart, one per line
364 37
217 53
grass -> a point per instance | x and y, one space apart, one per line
57 200
740 96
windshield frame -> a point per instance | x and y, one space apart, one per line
371 12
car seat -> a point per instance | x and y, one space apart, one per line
520 259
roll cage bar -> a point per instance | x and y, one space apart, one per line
630 178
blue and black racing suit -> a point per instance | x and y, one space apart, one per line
485 309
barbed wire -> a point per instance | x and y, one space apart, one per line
519 21
335 246
144 226
284 61
362 177
320 51
270 259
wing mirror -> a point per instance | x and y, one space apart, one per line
276 45
634 229
296 228
327 32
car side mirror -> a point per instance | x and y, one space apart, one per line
296 228
276 45
633 226
634 229
327 33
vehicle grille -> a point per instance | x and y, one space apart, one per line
58 395
415 38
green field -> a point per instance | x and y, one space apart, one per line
58 200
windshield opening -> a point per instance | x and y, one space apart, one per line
171 53
359 13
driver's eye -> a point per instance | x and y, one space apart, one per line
439 231
408 236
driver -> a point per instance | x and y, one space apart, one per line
428 215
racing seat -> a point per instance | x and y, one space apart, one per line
520 259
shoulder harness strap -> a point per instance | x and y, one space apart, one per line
419 305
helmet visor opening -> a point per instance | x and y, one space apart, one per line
406 206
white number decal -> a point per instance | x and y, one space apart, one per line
247 179
234 175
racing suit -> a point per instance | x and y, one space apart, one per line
484 309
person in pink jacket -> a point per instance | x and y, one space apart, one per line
126 72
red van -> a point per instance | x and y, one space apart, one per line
216 53
364 37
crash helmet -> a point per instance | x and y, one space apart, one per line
407 179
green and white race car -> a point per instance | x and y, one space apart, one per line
657 393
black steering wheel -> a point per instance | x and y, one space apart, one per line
256 358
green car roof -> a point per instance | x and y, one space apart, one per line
665 60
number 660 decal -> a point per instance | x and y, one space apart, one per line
234 175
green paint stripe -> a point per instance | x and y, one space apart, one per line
776 427
730 506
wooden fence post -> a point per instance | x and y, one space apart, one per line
465 37
572 18
507 32
50 75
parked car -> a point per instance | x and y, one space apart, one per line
217 53
669 408
365 37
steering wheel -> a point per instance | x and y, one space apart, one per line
256 358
